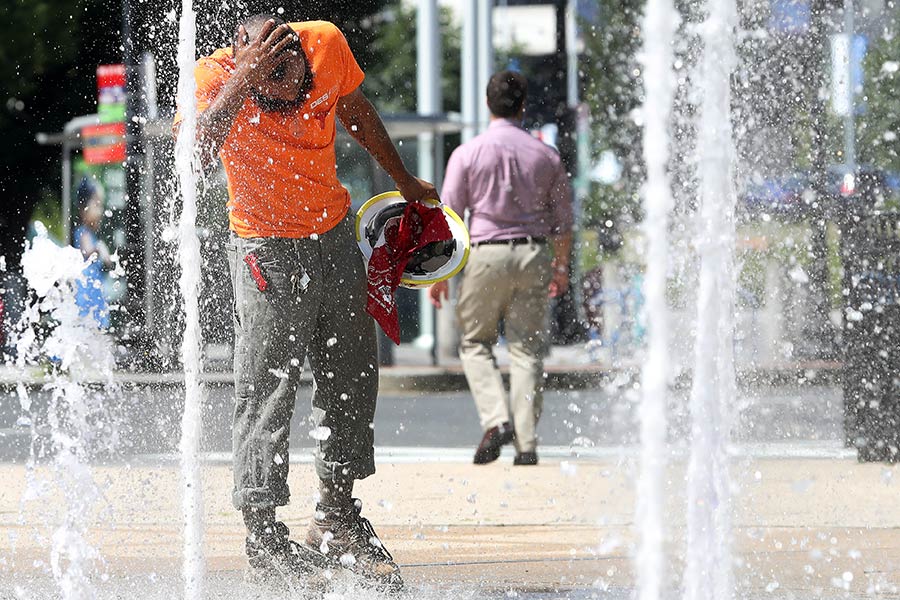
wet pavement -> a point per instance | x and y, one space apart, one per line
148 418
803 528
811 522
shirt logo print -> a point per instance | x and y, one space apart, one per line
321 116
324 97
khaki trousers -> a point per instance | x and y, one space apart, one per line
508 282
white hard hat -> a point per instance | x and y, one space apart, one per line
430 264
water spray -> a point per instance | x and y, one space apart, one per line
187 167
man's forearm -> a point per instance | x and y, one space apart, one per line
366 127
562 247
215 122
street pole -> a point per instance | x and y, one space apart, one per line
565 310
67 192
572 95
470 94
429 103
849 125
817 327
133 253
147 185
485 29
469 74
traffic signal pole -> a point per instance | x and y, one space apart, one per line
429 103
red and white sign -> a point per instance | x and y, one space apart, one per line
111 93
104 143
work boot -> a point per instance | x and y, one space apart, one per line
494 438
348 539
274 558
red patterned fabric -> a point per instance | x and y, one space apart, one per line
420 225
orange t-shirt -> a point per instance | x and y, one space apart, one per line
282 177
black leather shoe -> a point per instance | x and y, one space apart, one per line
526 458
494 439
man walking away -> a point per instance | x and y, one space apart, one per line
517 194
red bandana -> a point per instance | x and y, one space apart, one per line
420 225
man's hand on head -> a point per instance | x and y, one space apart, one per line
254 60
414 189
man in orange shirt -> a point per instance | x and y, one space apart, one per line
267 108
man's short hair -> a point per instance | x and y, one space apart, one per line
506 93
254 23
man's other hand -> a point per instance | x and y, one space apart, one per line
559 282
414 189
437 291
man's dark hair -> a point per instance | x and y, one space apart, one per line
506 93
253 24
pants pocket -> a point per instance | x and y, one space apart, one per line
231 253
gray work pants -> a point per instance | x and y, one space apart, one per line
506 282
314 303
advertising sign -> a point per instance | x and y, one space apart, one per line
104 143
111 93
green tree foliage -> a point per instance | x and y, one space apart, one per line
880 125
31 29
613 92
391 79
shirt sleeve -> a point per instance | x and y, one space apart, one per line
455 192
561 201
353 74
210 77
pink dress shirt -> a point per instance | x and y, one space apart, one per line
512 184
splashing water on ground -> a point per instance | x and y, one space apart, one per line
53 335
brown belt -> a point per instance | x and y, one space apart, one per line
514 241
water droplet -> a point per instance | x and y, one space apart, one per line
321 433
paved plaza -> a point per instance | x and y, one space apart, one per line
809 520
818 527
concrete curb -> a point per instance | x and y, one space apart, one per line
418 379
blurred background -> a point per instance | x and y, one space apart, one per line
86 121
89 88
